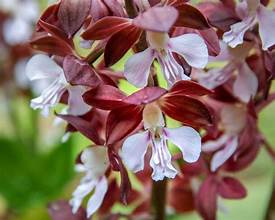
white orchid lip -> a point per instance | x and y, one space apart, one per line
42 67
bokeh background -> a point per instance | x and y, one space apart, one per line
36 168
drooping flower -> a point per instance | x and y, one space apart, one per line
252 12
94 164
190 46
233 120
245 83
41 67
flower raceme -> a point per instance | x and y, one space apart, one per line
131 130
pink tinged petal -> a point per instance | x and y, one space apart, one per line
134 149
161 159
213 145
41 67
192 48
76 104
214 77
188 140
235 36
81 191
137 67
246 85
97 198
224 55
266 19
223 155
172 71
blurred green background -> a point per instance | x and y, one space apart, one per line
36 168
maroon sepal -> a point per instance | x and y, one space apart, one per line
206 199
120 43
125 185
122 121
84 127
51 45
72 14
191 17
105 27
104 97
56 32
231 188
78 72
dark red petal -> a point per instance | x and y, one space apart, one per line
212 41
104 97
122 121
55 31
105 27
125 185
61 210
145 95
51 45
98 10
120 43
78 72
187 87
206 199
159 19
72 14
187 110
49 16
219 15
243 160
231 188
191 17
84 127
116 7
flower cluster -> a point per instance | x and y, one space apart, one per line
183 118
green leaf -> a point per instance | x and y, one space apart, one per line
28 179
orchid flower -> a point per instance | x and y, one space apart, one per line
41 67
94 163
233 120
156 135
18 28
245 84
190 46
252 12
